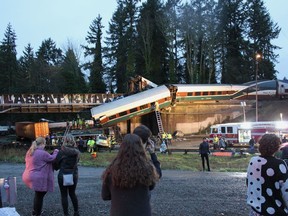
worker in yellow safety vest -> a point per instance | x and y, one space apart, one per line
91 145
164 138
215 142
169 138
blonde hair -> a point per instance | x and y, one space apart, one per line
68 140
35 144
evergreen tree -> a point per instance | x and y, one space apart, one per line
26 68
72 79
8 62
199 41
48 61
188 42
261 31
231 31
172 19
96 79
121 45
152 55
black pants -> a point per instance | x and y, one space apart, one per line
38 202
206 157
65 190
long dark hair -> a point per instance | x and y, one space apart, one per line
131 165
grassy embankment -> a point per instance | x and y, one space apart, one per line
178 161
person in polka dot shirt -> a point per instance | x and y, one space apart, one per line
267 180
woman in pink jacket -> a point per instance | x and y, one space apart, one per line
38 174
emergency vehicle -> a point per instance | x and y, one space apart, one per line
241 132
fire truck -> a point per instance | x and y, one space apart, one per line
241 132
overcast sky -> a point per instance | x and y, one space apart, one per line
68 20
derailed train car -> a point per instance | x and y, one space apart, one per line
168 95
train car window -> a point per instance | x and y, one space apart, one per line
214 130
198 94
223 130
205 93
219 93
112 117
144 106
123 113
212 93
190 93
229 129
133 110
268 85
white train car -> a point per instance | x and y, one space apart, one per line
282 89
189 92
133 105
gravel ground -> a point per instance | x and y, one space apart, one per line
178 193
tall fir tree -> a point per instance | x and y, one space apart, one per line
48 61
121 45
261 32
8 62
71 76
171 11
199 41
26 68
96 78
231 31
152 55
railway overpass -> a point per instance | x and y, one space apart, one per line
52 103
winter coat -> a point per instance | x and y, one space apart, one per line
204 148
38 174
127 201
66 161
267 182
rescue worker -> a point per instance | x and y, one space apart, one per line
164 138
169 138
215 142
91 144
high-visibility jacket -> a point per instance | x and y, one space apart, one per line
169 136
91 142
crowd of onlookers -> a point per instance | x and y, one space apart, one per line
128 179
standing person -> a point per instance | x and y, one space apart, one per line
145 133
66 161
81 144
38 174
204 152
222 144
267 180
215 142
91 145
251 144
128 179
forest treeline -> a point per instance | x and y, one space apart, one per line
172 41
